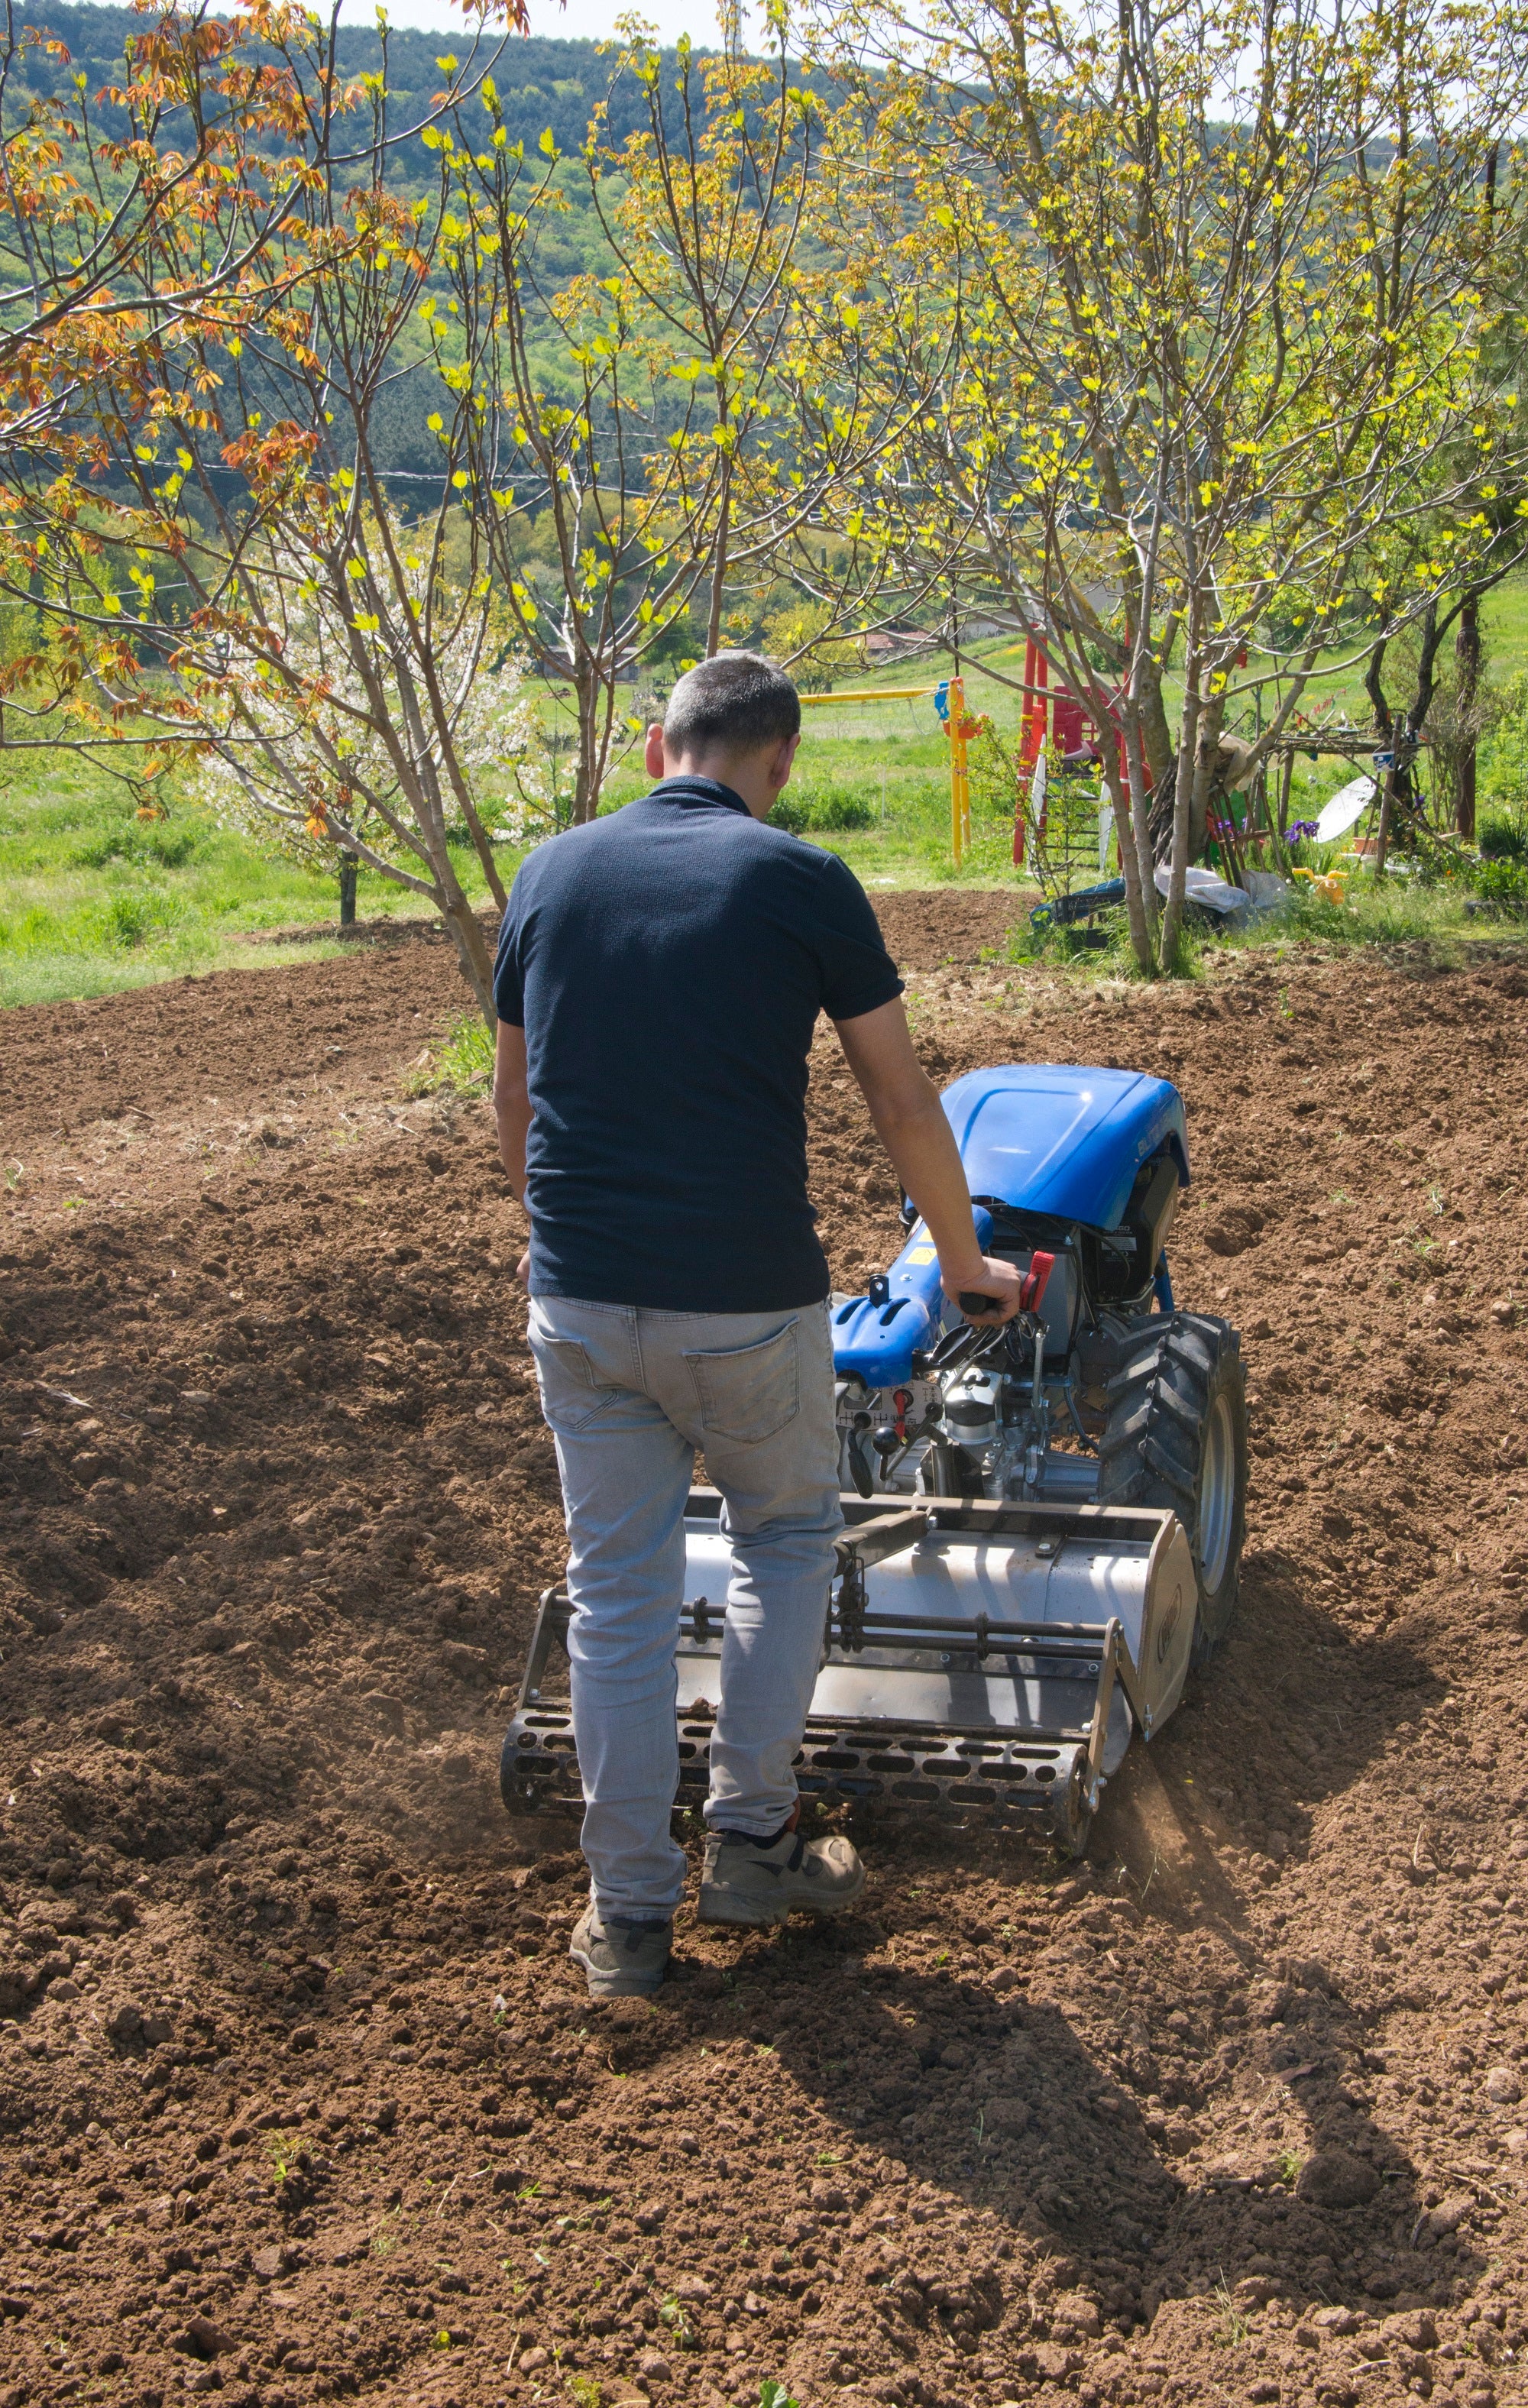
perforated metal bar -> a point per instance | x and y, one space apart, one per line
946 1773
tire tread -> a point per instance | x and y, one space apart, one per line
1158 1402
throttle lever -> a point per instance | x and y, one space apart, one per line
1036 1280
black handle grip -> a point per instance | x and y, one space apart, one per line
970 1300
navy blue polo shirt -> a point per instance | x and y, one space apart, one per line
667 965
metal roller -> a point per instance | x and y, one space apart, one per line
978 1659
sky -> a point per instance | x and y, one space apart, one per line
581 19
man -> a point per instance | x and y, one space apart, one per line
659 978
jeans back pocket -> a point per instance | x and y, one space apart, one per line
749 1393
571 1395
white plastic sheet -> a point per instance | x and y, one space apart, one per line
1345 809
1202 886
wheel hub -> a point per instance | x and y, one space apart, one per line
1217 1495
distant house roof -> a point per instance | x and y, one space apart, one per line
888 643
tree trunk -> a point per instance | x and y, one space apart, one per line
1183 785
1422 703
1211 772
1374 686
472 952
1387 798
1467 654
1142 795
719 565
482 847
1156 734
348 873
1122 790
1401 822
586 792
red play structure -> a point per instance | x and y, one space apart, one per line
1054 718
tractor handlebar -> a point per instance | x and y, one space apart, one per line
978 1307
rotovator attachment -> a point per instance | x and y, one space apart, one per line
1044 1520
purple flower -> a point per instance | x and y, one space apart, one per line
1298 828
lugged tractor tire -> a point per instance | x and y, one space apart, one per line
1175 1436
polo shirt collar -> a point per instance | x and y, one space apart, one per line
698 790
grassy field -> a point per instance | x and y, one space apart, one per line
92 898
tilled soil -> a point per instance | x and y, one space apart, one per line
299 2097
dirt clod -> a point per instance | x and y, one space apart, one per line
1334 2177
202 2338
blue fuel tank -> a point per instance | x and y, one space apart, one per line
1048 1138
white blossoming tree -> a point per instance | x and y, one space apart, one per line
369 720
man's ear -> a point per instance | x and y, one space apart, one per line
783 762
652 751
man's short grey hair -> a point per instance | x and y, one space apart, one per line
735 702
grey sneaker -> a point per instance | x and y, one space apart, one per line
743 1881
621 1958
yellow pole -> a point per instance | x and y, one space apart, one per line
867 694
960 784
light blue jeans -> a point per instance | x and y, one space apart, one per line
629 1396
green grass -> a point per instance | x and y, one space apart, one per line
1387 912
1234 2326
1395 910
93 899
461 1064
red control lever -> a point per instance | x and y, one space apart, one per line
1035 1280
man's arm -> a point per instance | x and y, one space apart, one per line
512 1112
911 1125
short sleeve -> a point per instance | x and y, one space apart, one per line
509 967
857 973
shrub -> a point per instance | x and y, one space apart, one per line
835 812
838 811
152 847
791 811
1504 884
1503 836
130 919
463 1065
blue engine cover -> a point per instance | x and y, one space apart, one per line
1042 1137
1046 1137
